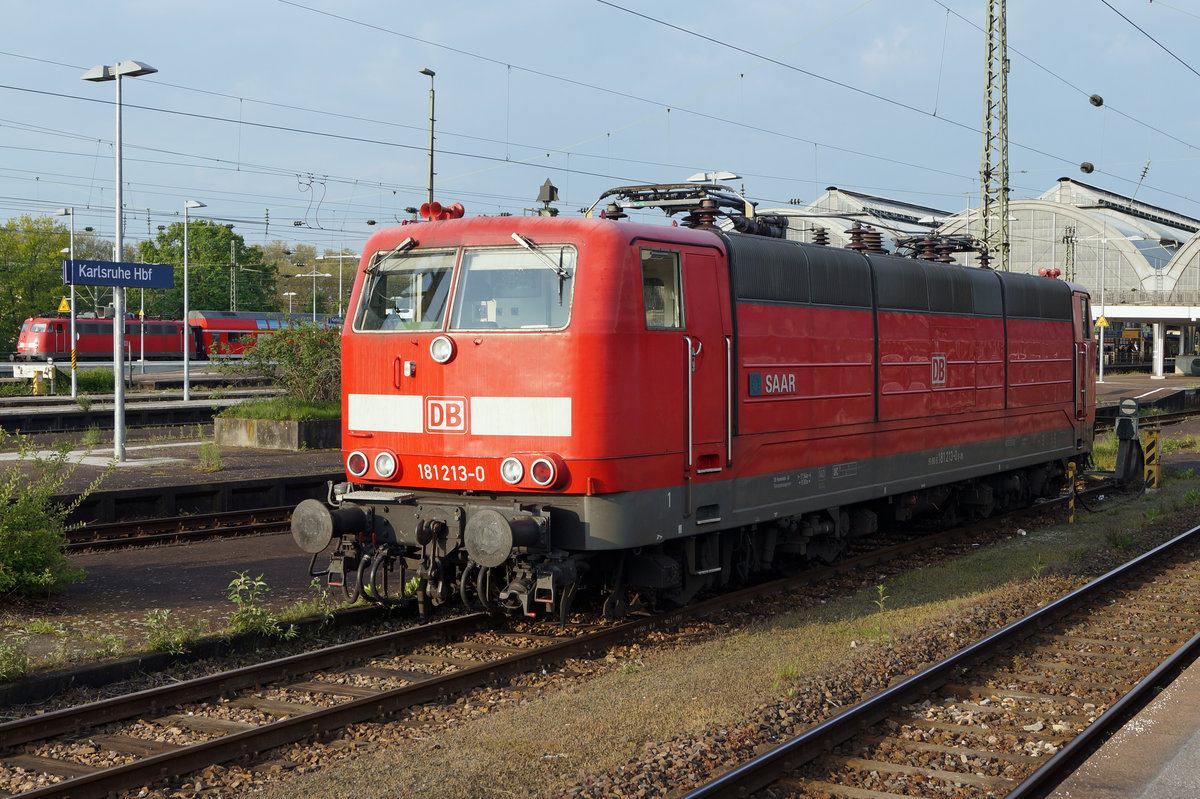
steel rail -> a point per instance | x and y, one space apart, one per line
759 772
110 535
68 720
307 725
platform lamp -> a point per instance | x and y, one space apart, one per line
71 255
314 275
289 295
339 258
187 330
99 74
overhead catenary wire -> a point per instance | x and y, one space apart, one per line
506 161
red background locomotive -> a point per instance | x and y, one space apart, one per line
228 333
531 405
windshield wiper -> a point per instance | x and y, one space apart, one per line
562 272
399 249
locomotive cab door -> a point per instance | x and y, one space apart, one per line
57 343
1085 383
684 292
707 356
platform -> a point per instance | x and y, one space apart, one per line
1156 755
1144 387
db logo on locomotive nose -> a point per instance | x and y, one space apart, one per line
445 415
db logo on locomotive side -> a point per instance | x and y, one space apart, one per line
445 415
938 376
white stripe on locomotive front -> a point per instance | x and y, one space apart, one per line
521 416
385 413
488 416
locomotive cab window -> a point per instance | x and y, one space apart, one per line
406 291
660 290
512 288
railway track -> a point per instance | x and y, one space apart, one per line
1155 419
178 529
1010 715
181 727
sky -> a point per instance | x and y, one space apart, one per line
300 120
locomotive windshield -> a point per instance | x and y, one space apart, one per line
514 289
508 288
406 291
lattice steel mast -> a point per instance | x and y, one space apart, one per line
993 175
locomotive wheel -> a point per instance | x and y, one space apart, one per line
826 548
616 604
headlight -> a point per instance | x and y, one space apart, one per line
441 349
511 471
543 472
385 465
356 464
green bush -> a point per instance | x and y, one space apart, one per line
305 360
32 527
93 381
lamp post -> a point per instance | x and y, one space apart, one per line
289 295
100 74
314 275
187 329
71 250
339 258
430 73
1103 308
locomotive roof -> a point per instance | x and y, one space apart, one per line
485 230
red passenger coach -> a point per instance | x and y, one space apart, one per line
534 405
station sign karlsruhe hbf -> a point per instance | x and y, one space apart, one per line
114 273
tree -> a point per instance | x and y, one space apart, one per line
293 260
30 272
211 270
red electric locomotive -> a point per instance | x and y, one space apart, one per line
50 337
533 405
